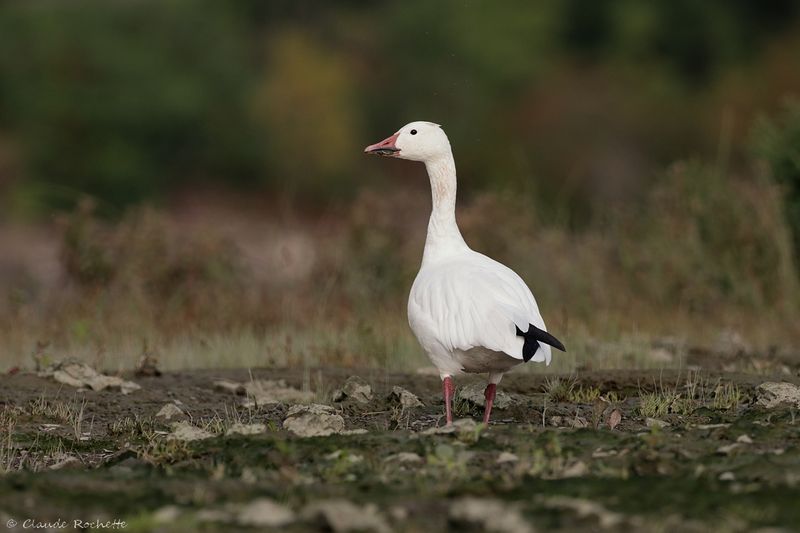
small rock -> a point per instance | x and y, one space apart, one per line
355 388
398 513
166 514
342 515
170 411
264 512
406 399
187 432
577 469
473 393
334 455
655 423
248 476
772 393
78 374
488 514
598 453
267 391
463 425
728 448
226 385
213 515
246 429
744 439
507 457
357 431
68 463
586 508
614 419
711 426
727 476
579 422
313 420
147 366
351 457
404 457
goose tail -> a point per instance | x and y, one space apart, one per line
533 337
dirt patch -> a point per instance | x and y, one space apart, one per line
713 455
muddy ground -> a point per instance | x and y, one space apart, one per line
714 455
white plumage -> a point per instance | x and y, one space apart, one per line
466 309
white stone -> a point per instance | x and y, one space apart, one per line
489 514
772 394
406 399
187 432
264 512
267 391
655 422
404 457
462 425
166 514
507 457
78 374
246 429
728 449
342 515
355 388
313 420
170 411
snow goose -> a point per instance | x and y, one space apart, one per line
469 312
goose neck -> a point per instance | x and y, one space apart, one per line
443 232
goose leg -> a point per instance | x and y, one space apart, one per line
489 393
448 388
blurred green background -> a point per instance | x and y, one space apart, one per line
637 162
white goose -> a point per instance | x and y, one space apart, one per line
469 312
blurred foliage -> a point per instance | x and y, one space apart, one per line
307 106
717 242
141 266
717 258
576 104
125 100
563 115
777 141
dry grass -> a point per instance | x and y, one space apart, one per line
727 395
68 413
665 400
559 389
567 389
9 454
333 290
688 395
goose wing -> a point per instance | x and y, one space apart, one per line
475 301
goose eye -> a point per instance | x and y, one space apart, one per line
413 132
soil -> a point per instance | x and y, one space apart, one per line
552 464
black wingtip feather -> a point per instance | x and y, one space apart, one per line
532 338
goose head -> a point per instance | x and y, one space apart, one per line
416 141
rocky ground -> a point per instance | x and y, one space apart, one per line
321 449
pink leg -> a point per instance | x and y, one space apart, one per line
491 390
448 388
